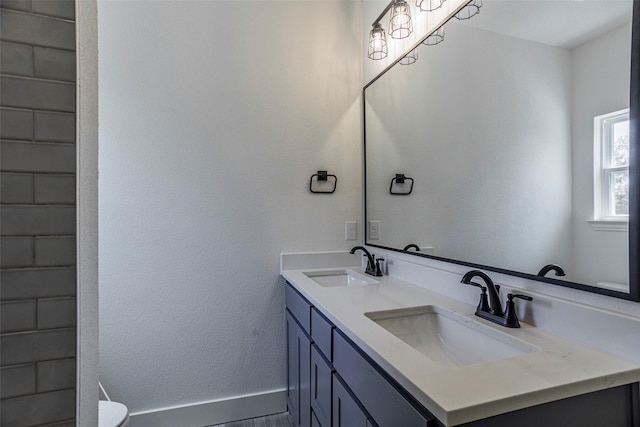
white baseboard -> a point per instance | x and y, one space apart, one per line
214 411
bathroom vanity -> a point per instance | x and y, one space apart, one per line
364 351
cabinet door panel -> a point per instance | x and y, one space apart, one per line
346 411
293 379
304 354
321 376
298 373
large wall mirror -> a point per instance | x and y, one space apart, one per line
513 138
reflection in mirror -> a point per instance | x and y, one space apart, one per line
498 127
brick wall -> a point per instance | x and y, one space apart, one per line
37 213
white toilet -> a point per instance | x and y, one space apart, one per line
112 414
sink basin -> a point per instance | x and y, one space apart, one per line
448 338
341 277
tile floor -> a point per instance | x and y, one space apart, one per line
277 420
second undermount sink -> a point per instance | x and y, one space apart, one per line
340 277
448 338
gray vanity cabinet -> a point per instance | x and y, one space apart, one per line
319 394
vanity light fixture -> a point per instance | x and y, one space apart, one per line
470 10
410 57
434 38
429 5
400 25
377 42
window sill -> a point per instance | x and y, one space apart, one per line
609 225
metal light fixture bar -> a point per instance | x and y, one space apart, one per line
384 12
378 38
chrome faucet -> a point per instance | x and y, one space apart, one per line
373 264
559 271
491 309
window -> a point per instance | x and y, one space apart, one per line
611 154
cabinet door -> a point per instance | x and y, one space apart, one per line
298 373
304 364
293 378
346 411
314 420
381 399
321 375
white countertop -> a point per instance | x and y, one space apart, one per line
456 395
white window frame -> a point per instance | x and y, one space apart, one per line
604 218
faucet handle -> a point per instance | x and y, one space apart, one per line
379 268
510 316
524 297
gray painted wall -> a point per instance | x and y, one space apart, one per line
38 221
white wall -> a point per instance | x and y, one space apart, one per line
213 117
600 77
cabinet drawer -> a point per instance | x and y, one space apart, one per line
321 333
346 411
299 307
321 372
379 397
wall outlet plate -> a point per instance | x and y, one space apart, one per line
350 230
374 230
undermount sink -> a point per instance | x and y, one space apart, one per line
448 338
341 277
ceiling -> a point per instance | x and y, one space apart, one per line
567 23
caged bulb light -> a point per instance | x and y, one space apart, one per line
377 42
434 38
429 5
470 10
400 23
410 58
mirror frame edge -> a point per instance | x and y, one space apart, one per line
634 184
634 158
